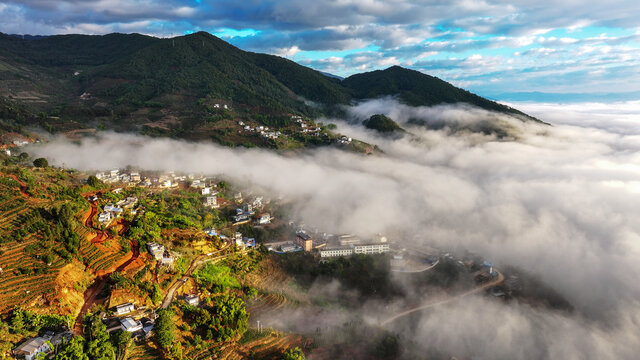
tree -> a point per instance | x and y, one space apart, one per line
230 319
99 347
73 350
123 340
176 351
293 354
23 156
165 329
17 322
41 163
156 294
94 181
388 346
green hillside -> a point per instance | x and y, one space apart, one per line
416 89
382 124
179 87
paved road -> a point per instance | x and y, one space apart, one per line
494 282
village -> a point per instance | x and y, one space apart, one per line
242 210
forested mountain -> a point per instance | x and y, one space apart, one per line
175 86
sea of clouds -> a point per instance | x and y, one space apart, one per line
561 202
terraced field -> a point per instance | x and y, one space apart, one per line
266 303
144 351
269 347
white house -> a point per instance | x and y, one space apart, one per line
31 348
206 191
167 259
125 308
211 201
104 217
193 300
130 325
156 250
264 218
238 239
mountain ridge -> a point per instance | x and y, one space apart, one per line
128 81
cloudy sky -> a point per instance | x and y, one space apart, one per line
491 47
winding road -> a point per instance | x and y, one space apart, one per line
91 294
499 279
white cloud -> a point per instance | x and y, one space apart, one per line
560 203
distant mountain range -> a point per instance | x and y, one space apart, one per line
127 80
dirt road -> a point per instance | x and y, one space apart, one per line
91 294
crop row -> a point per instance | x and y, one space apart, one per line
8 302
8 216
31 283
106 262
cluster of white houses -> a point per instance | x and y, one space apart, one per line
139 323
111 211
263 130
304 127
161 254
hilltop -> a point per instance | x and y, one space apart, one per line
195 86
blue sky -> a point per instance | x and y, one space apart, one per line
491 47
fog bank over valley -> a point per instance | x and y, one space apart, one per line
559 202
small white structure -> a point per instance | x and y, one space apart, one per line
125 308
167 259
130 325
264 219
238 239
211 201
193 300
128 202
156 250
31 348
206 190
104 217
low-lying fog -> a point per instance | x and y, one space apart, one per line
561 202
